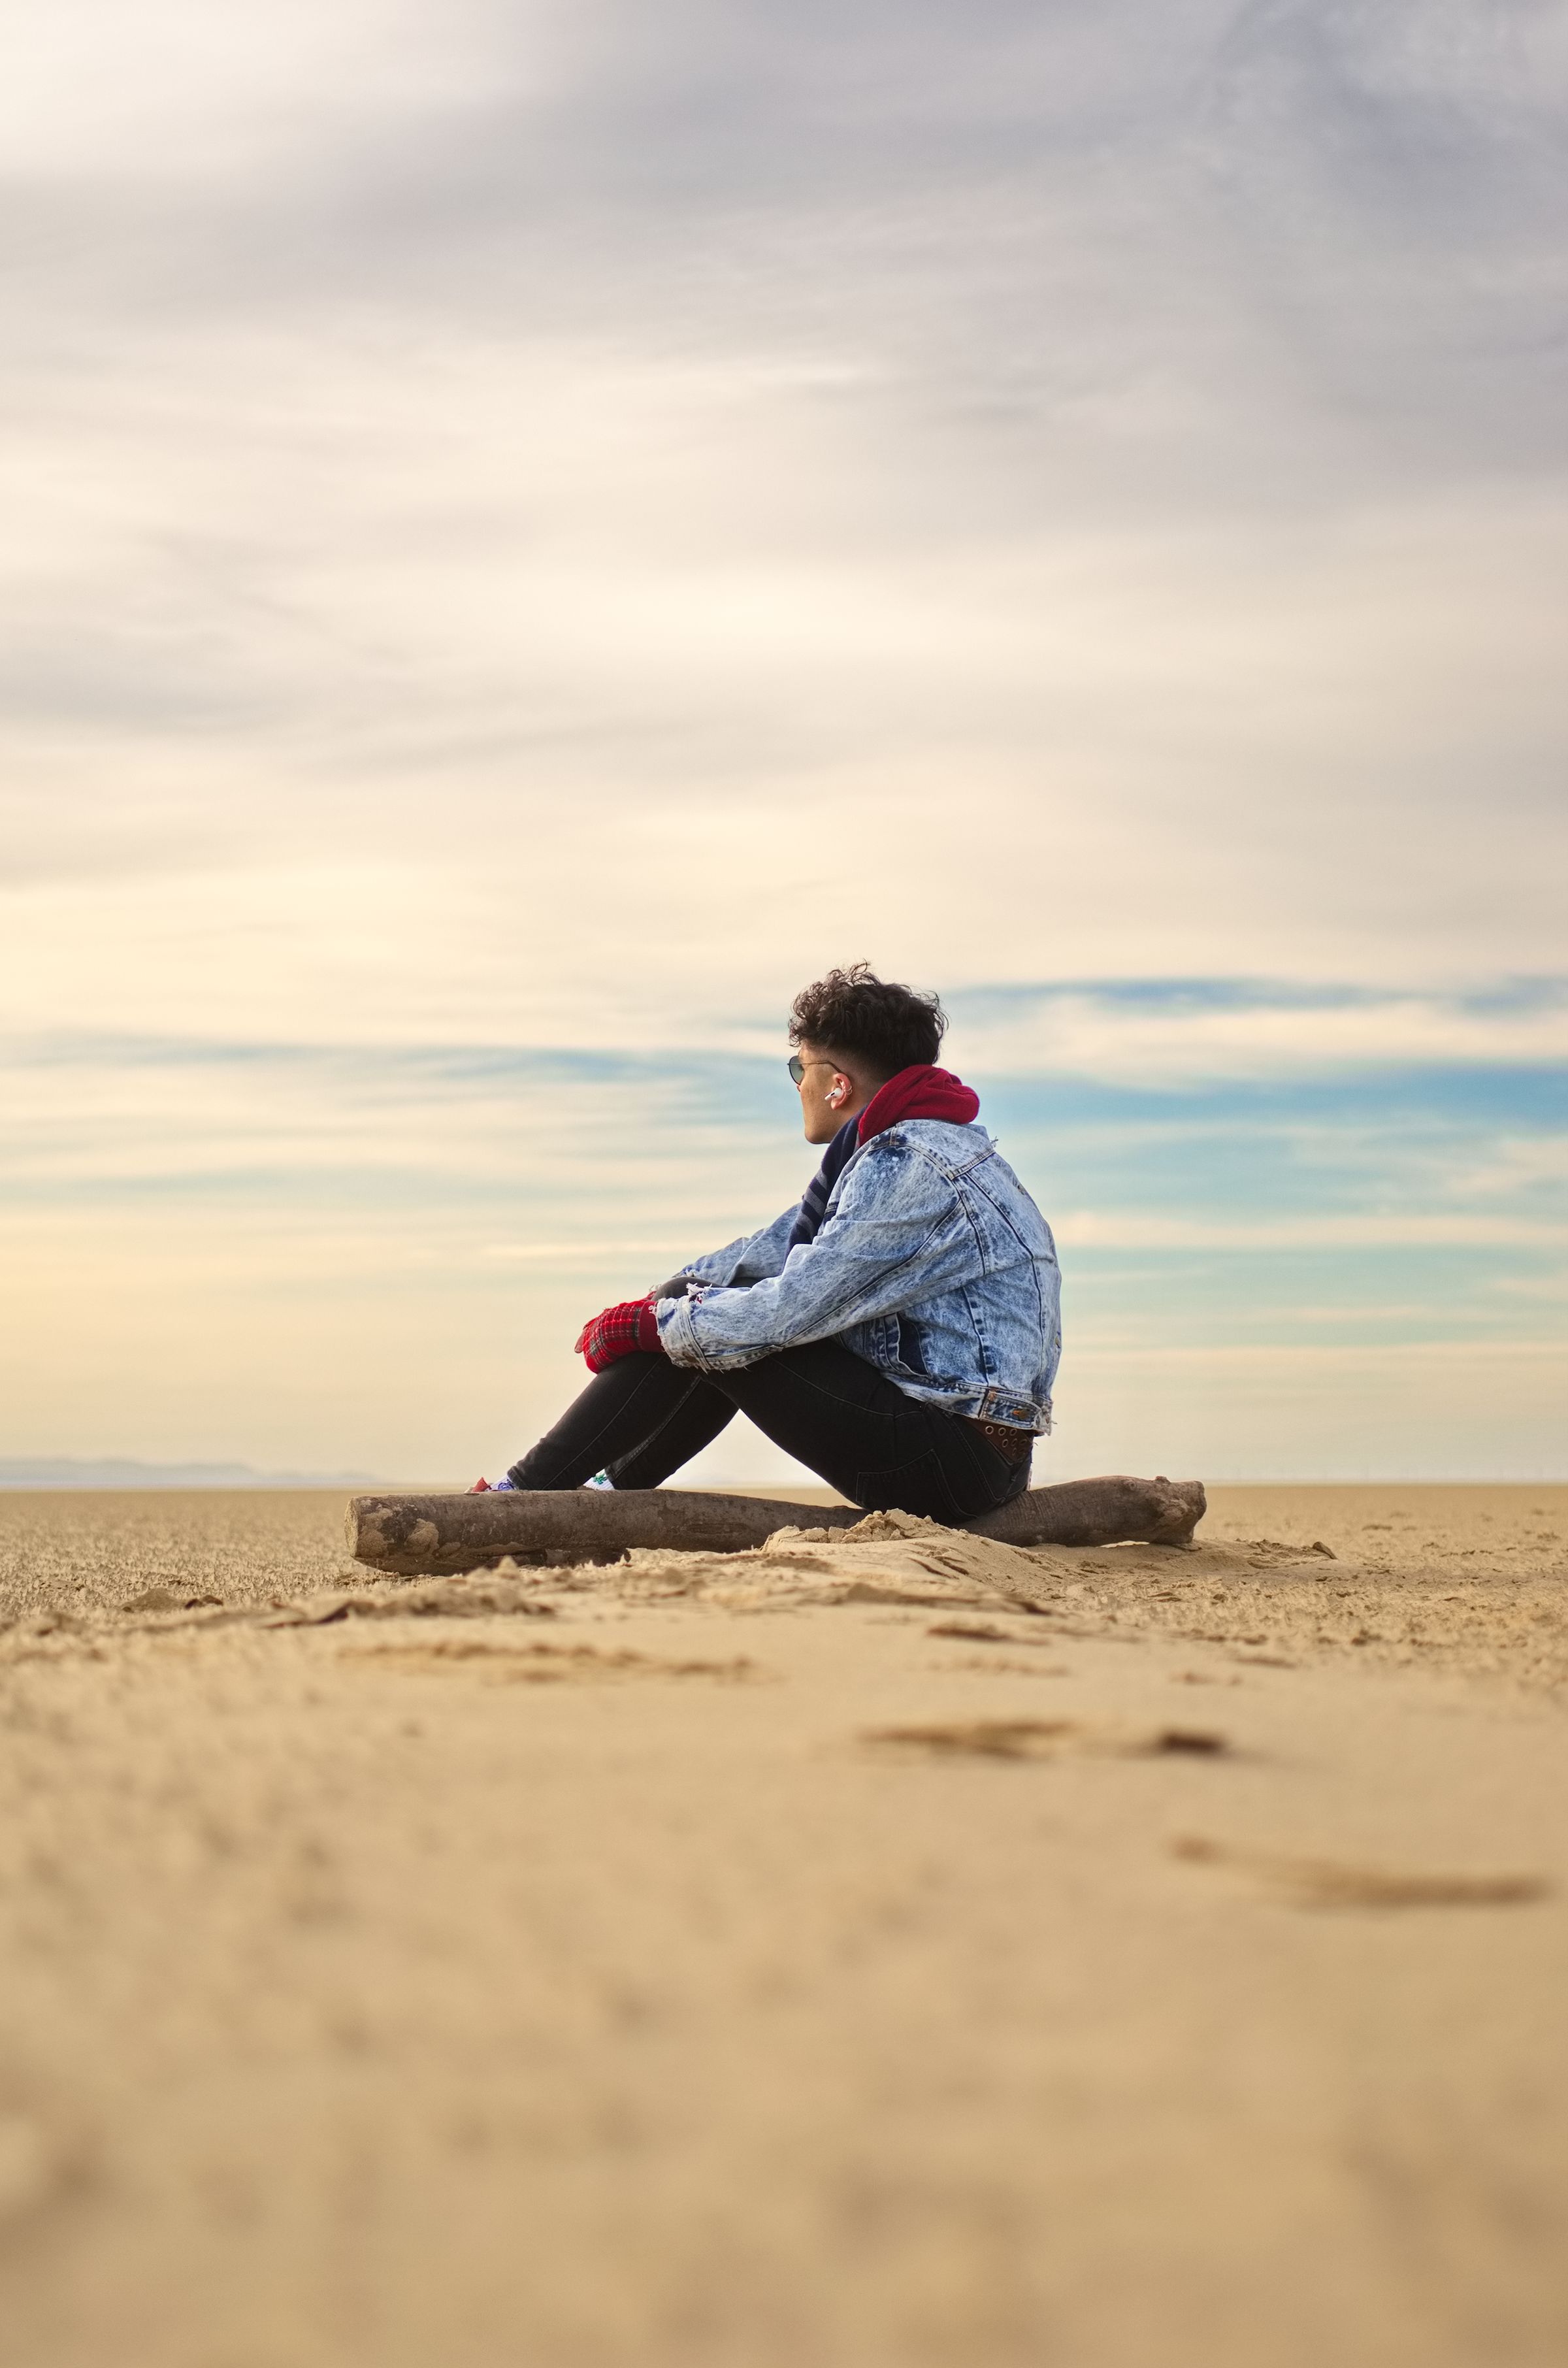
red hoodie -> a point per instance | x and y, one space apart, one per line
921 1091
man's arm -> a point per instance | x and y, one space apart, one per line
896 1236
745 1261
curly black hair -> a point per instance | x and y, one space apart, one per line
853 1011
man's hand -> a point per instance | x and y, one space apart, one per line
624 1330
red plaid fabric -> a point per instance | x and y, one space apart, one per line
620 1331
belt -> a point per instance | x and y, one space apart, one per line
1016 1445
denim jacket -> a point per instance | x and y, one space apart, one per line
931 1262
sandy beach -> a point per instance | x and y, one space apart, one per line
899 1948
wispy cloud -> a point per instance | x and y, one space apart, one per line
1168 1031
1121 1229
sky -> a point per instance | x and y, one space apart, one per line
532 530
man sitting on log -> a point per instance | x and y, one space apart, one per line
898 1332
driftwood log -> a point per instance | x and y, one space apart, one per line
418 1537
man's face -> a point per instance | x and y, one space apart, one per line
829 1093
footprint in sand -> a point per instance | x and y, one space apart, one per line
168 1598
984 1631
1329 1882
1047 1738
536 1665
976 1666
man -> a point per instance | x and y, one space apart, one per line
897 1332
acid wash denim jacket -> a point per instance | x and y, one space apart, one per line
931 1262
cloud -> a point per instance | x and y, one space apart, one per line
533 529
1171 1032
357 1253
1108 1229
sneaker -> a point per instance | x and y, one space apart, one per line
489 1487
599 1480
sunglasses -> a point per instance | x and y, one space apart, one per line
798 1067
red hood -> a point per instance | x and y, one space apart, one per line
920 1092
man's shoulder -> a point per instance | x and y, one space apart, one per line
930 1143
934 1137
960 1155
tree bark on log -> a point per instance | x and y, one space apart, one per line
420 1536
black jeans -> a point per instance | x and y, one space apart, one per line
643 1417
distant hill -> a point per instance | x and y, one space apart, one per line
124 1472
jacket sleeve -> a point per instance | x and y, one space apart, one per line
896 1234
746 1260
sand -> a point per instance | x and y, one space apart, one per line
904 1951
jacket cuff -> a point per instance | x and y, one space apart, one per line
677 1336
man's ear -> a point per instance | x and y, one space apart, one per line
840 1090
